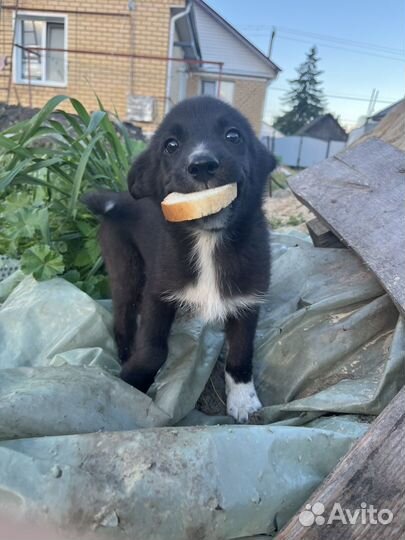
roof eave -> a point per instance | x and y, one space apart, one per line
238 35
237 74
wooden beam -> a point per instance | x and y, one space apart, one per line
373 472
322 236
360 195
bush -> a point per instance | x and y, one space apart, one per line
48 162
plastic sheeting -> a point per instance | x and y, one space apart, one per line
330 353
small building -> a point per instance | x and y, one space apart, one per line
140 57
326 128
322 138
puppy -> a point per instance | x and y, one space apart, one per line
217 266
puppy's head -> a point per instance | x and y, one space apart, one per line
203 143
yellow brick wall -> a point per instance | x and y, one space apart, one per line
108 77
249 97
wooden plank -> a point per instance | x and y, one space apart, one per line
321 235
373 472
360 194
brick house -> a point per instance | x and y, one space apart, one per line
139 56
246 71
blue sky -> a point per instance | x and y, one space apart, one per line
378 62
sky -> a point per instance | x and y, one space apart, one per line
361 44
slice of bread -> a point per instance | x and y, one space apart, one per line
188 206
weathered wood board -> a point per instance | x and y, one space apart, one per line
372 473
360 194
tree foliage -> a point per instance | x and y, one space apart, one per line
305 99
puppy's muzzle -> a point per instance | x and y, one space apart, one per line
202 167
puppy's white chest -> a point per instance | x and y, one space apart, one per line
204 296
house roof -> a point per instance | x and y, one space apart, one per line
208 52
383 113
325 127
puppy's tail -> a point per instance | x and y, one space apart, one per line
104 203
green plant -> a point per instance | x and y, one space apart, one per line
47 162
276 223
279 180
293 221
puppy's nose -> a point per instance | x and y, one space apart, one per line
202 166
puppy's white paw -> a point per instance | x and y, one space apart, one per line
241 399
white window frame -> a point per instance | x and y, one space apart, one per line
17 55
233 90
208 79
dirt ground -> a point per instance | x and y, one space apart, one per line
284 211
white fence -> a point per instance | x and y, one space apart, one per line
296 151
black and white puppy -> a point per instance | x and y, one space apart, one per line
218 266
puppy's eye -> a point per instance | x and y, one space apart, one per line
171 145
233 136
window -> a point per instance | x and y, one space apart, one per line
208 88
226 89
37 65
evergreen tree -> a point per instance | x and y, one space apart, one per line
306 99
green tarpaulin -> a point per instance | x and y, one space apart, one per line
83 450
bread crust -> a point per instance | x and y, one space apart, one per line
188 206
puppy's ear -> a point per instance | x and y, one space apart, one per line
142 176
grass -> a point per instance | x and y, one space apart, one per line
292 221
48 162
279 180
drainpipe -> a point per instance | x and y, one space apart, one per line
175 18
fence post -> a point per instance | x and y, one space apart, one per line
328 148
299 152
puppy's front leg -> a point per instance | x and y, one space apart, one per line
151 342
241 397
